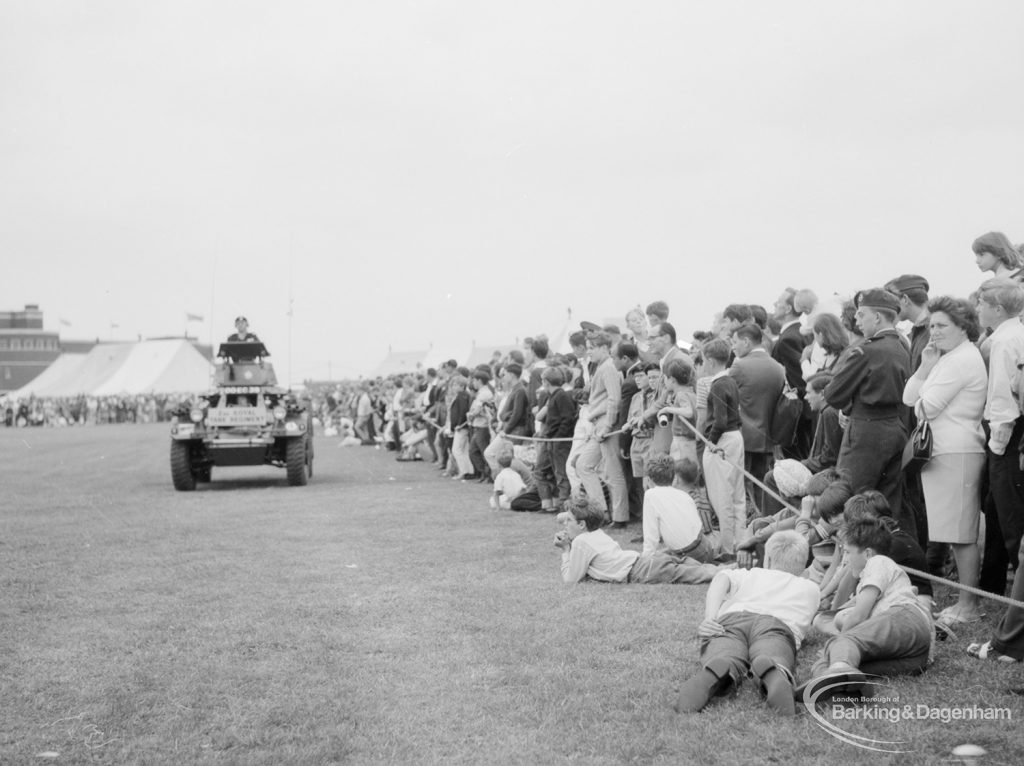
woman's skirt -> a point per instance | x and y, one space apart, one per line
952 496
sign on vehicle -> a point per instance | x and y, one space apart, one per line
236 416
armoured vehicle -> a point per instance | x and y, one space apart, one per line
246 419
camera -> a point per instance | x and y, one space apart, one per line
663 420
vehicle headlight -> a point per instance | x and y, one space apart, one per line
291 426
279 412
196 415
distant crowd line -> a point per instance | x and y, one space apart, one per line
86 410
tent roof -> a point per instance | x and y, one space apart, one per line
159 365
483 354
398 362
124 368
64 367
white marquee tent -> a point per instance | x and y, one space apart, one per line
150 366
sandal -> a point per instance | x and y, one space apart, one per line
986 652
953 615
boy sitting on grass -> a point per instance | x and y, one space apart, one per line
886 630
839 584
671 522
688 480
588 551
508 484
754 621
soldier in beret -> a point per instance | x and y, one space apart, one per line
868 386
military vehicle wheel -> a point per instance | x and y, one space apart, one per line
181 467
295 457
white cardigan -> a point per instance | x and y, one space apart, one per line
952 398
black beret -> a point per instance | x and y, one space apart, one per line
877 298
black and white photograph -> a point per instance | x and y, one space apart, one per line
511 382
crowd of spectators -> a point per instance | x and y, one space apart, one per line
83 410
791 418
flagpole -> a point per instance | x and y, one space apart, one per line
291 301
213 292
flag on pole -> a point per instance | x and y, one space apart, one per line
193 317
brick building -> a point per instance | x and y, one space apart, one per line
26 349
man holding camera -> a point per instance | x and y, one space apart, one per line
662 341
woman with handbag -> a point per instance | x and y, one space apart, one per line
948 394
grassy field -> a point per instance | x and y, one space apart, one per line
379 615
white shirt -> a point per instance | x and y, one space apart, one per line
596 555
1006 351
894 588
789 598
670 518
509 483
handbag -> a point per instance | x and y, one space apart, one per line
918 449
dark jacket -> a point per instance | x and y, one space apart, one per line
560 421
869 380
516 413
788 350
460 406
723 408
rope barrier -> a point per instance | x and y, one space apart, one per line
968 588
768 490
517 437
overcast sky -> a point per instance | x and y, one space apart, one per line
415 173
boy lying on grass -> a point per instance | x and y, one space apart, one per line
886 631
754 621
587 551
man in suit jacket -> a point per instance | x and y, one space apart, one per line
760 380
788 351
663 343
